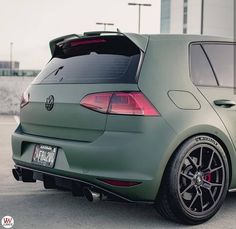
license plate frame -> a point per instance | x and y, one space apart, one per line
44 155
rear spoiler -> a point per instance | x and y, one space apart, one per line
54 42
140 40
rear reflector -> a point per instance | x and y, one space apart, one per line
122 103
120 183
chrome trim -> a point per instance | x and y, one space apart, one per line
232 190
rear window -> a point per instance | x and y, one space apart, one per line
106 59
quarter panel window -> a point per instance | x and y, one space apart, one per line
222 60
201 71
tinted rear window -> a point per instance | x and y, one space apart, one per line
108 59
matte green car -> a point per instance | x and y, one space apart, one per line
140 118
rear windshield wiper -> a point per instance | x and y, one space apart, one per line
54 71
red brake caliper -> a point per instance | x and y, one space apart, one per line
207 177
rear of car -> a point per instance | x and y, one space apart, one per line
84 117
117 114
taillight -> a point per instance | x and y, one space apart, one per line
98 101
24 99
123 103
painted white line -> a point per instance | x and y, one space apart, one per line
7 123
17 119
30 193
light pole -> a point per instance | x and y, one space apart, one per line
139 11
105 24
202 17
11 48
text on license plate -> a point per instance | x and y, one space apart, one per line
44 155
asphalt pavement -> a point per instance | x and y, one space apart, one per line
33 207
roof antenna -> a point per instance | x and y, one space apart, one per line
118 30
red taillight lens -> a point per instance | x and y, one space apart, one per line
98 101
24 99
123 103
120 183
132 103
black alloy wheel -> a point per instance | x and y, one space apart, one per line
195 183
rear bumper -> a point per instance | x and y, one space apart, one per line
68 182
127 156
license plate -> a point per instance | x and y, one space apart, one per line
44 155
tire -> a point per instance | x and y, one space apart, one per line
195 183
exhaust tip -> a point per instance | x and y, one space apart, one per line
23 175
16 174
91 195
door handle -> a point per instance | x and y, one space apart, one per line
224 103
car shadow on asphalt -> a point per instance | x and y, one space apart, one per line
62 209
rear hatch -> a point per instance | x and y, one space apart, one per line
80 67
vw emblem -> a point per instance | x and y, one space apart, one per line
49 104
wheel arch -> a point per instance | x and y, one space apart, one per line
221 138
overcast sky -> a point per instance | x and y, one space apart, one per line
30 24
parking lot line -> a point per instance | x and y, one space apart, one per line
9 120
7 123
17 119
31 193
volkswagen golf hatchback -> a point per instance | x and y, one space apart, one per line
139 118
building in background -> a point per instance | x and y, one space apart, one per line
184 16
12 68
9 65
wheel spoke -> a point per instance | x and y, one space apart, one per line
201 198
211 160
206 186
186 189
210 184
200 157
211 194
216 185
209 191
193 200
186 176
192 162
216 169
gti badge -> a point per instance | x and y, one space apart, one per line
49 104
